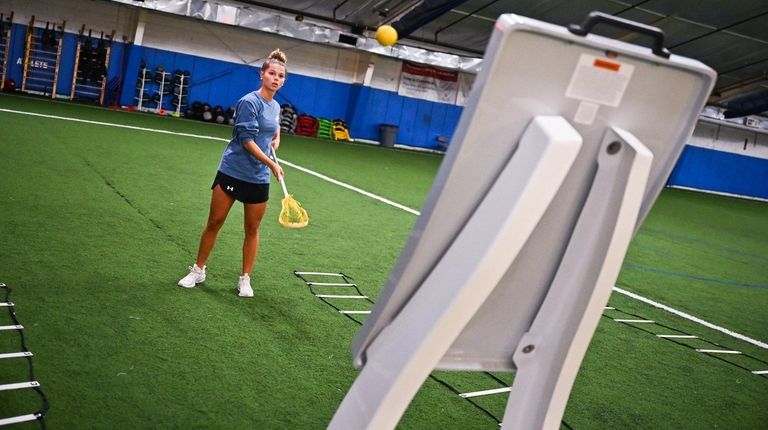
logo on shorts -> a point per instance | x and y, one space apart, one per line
230 188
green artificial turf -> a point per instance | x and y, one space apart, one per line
98 223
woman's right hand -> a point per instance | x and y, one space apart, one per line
277 170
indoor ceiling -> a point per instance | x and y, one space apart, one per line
729 36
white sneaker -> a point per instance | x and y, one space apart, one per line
196 275
244 286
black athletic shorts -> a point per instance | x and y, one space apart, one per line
242 191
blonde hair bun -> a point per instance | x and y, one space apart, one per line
278 55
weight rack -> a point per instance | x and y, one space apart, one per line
180 91
152 88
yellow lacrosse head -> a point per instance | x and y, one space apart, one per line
292 215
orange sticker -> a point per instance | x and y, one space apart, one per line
606 65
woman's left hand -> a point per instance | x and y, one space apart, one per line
275 142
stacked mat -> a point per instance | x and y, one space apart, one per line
340 130
324 128
288 116
306 125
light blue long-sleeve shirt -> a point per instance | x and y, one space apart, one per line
255 119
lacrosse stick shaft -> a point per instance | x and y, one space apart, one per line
280 178
282 184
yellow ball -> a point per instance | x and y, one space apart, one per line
386 35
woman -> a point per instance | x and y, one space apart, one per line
244 172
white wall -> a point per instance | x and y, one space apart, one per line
197 37
243 46
730 139
95 14
386 74
211 40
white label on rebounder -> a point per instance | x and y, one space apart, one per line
586 113
599 80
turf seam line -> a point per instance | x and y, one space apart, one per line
682 238
692 277
136 208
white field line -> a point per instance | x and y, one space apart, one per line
692 318
109 124
397 205
719 193
352 187
197 136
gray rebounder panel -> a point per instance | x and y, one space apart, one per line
565 143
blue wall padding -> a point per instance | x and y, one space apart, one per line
358 94
708 169
419 122
16 54
129 74
216 82
66 65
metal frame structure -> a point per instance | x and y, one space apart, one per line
36 78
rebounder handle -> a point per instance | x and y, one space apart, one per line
595 18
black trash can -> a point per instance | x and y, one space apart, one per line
388 135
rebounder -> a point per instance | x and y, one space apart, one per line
565 142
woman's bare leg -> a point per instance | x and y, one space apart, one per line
253 215
221 203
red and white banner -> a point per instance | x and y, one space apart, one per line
428 83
